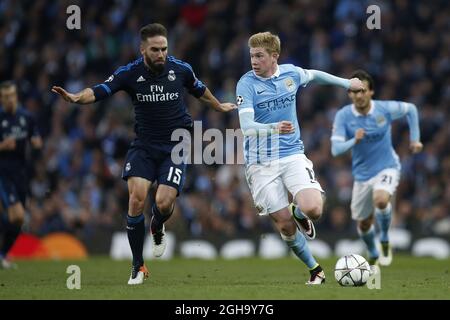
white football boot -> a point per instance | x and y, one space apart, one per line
159 240
317 277
385 258
138 275
7 264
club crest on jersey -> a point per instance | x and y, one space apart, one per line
289 83
22 121
380 120
5 123
171 75
239 100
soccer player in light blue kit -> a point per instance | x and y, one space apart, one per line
365 128
273 150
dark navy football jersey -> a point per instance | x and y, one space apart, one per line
22 127
158 99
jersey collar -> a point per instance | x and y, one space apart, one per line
357 114
275 75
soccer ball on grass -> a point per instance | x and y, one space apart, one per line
352 271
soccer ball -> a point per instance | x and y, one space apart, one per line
352 271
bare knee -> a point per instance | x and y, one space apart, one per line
138 190
380 203
310 202
381 199
136 203
287 228
314 212
164 203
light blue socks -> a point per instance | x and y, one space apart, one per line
297 243
384 221
369 239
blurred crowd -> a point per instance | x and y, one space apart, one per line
76 184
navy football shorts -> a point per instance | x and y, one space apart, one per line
154 165
12 190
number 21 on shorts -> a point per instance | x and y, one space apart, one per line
174 175
386 179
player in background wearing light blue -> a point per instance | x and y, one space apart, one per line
273 150
365 128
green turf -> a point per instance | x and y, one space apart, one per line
102 278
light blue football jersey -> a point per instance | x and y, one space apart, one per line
374 152
272 100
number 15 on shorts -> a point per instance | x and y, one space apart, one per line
175 175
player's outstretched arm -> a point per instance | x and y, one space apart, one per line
85 96
321 77
212 101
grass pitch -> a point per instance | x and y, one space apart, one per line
253 279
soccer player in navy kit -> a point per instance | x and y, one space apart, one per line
17 127
155 83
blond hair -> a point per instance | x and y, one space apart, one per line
266 40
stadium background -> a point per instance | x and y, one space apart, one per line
76 186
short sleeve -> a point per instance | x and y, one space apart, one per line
192 84
305 76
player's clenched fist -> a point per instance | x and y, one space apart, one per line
356 84
359 135
416 146
285 127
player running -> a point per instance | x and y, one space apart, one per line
274 153
155 82
365 127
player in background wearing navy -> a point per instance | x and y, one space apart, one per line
17 127
365 128
155 83
274 153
